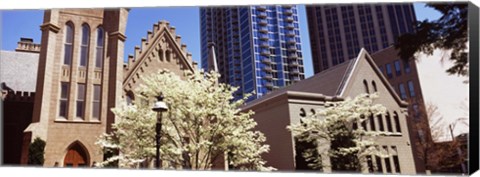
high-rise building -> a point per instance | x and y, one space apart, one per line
257 47
338 32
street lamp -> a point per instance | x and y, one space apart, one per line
159 107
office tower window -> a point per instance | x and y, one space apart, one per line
68 46
398 69
64 90
388 68
397 122
96 102
403 93
85 45
411 89
99 48
80 100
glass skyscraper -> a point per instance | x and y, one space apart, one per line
257 47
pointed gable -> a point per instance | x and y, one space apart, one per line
161 49
364 68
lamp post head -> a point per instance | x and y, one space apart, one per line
159 105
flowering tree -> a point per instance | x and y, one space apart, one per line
336 134
200 129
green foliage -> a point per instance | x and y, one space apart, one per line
449 32
36 150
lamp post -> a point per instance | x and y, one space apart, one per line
159 107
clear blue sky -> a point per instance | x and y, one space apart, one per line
26 23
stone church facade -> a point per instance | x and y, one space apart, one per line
82 75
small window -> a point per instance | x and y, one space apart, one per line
374 85
388 68
411 88
96 102
389 122
398 70
84 45
397 122
99 48
372 122
406 66
396 164
380 122
302 113
80 100
387 161
68 46
403 93
365 84
63 99
416 111
378 161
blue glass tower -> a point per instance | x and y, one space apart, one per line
257 48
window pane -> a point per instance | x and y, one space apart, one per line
69 34
80 109
64 90
403 93
81 92
396 163
372 123
80 100
389 70
379 164
100 37
411 89
68 54
85 34
63 108
389 123
99 48
380 122
83 55
96 92
397 122
96 110
398 70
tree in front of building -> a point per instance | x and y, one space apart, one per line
201 128
340 132
36 152
449 32
438 156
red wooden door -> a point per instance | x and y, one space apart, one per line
76 157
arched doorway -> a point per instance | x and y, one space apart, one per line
76 156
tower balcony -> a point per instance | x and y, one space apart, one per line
263 37
291 41
269 85
289 19
267 61
267 68
288 12
268 77
293 56
263 29
264 44
295 71
261 8
290 33
265 52
262 22
292 48
294 63
262 14
290 26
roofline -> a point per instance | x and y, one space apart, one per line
383 79
135 69
294 95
